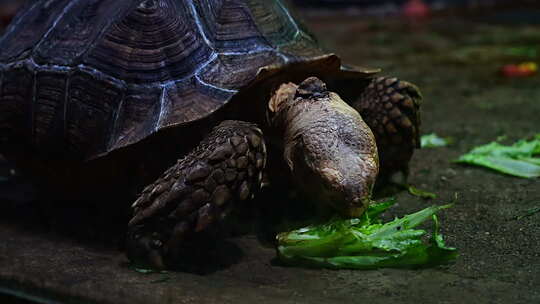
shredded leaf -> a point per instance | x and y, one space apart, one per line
522 51
517 160
529 212
366 243
144 271
138 269
420 193
434 141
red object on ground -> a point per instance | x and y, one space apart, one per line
521 70
416 9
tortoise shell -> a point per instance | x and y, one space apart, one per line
92 76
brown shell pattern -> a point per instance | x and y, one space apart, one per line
90 76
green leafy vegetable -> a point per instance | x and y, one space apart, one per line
524 51
144 271
529 212
420 193
517 159
138 269
366 243
434 141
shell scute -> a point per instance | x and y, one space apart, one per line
29 27
153 43
236 70
229 26
50 97
76 31
137 116
91 112
190 100
16 101
273 21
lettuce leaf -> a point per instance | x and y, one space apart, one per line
517 160
366 243
434 141
420 193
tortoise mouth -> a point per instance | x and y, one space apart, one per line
345 202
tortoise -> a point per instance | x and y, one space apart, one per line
181 106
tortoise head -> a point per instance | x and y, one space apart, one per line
330 150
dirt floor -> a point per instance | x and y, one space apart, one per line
455 61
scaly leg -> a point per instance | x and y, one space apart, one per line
391 108
198 190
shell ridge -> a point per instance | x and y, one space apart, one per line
171 76
299 31
114 127
99 36
199 25
53 26
276 24
101 75
162 109
251 52
118 82
212 58
213 86
268 42
290 18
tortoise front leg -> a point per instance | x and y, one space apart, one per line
197 191
391 108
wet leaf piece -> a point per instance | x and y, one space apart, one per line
366 243
420 193
529 212
517 160
434 141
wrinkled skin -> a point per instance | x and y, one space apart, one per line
329 149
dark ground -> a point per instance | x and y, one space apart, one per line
455 62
